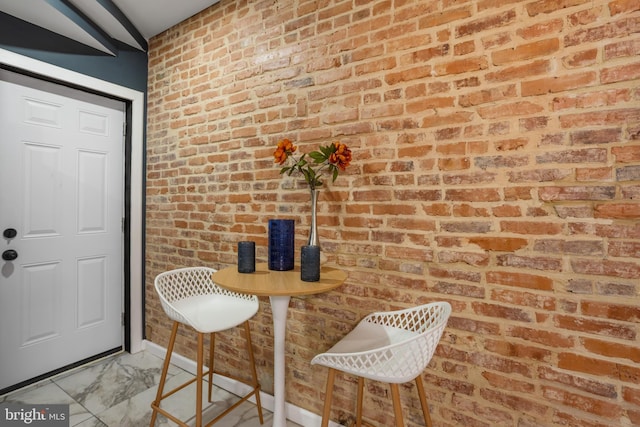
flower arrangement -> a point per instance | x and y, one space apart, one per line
331 159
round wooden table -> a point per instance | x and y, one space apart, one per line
279 286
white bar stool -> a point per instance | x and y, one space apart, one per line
392 347
189 297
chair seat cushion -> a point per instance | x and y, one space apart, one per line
213 313
368 336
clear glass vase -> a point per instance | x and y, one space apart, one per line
314 238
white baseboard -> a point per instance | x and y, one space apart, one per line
294 413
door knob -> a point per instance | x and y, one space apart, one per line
10 233
9 255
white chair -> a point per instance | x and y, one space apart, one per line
392 347
189 297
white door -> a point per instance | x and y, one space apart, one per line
62 191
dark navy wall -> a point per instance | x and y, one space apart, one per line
128 68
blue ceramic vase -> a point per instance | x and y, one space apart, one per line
281 244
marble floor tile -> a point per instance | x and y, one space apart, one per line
117 392
48 392
106 383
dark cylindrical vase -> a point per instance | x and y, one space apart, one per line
281 244
246 257
310 263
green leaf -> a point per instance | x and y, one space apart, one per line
317 157
328 150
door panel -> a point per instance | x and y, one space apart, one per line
92 192
41 320
61 300
41 214
92 295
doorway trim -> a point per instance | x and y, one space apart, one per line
137 172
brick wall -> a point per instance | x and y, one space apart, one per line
496 149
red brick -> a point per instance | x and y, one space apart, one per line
595 406
466 405
549 6
500 311
484 195
534 68
472 325
624 249
618 210
526 52
623 6
558 84
578 382
615 350
519 280
598 118
627 313
525 299
626 154
581 59
599 327
622 49
553 26
440 18
631 395
453 164
513 401
528 227
509 110
607 267
576 247
461 419
574 419
611 29
506 211
485 23
593 174
499 244
487 96
506 383
518 350
461 66
621 73
591 366
577 193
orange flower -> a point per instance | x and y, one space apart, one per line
328 159
284 150
341 157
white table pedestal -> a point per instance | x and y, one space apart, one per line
279 308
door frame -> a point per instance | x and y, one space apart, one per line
136 197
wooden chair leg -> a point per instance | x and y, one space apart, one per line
252 362
423 402
199 363
327 397
397 408
163 376
212 345
359 402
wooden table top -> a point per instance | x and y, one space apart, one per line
265 282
